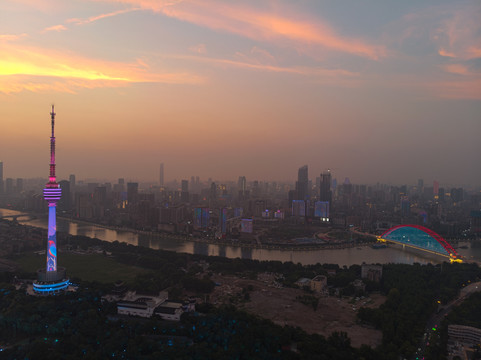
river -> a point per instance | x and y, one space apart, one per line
349 256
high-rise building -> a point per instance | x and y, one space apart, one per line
405 206
71 179
1 177
213 191
184 193
325 193
9 186
302 184
420 185
223 220
52 279
132 193
435 188
65 203
19 187
161 174
242 186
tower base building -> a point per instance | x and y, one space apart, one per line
51 282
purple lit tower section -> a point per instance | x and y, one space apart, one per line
51 280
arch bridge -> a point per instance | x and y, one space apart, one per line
421 238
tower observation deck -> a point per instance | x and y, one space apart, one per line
52 279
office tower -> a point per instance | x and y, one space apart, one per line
9 186
321 210
71 179
223 220
1 177
132 193
405 206
242 186
302 184
65 202
213 191
184 185
325 193
441 194
121 186
19 187
420 185
184 194
299 208
52 279
161 174
435 188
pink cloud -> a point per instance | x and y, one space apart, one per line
199 49
11 37
91 19
468 88
459 35
299 70
57 28
457 69
288 28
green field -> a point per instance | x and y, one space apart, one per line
88 267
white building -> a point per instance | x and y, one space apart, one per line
170 310
140 305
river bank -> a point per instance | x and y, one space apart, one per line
342 255
226 242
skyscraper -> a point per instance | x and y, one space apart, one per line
302 184
132 193
184 194
52 279
325 187
1 177
72 181
161 174
242 186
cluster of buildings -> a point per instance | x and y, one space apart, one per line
134 304
462 341
233 209
318 284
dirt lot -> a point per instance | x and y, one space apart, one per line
280 305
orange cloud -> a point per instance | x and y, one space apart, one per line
258 25
40 69
199 49
457 69
11 37
57 28
444 53
299 70
457 34
78 21
468 88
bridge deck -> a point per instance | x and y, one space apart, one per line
415 247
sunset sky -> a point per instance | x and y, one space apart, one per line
386 91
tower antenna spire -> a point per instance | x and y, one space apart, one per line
52 178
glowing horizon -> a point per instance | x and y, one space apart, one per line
387 92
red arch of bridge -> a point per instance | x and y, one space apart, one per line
449 249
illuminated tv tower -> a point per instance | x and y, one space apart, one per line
51 279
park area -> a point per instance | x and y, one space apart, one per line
86 266
284 307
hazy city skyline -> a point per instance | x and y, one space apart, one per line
386 92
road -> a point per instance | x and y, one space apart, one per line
435 320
